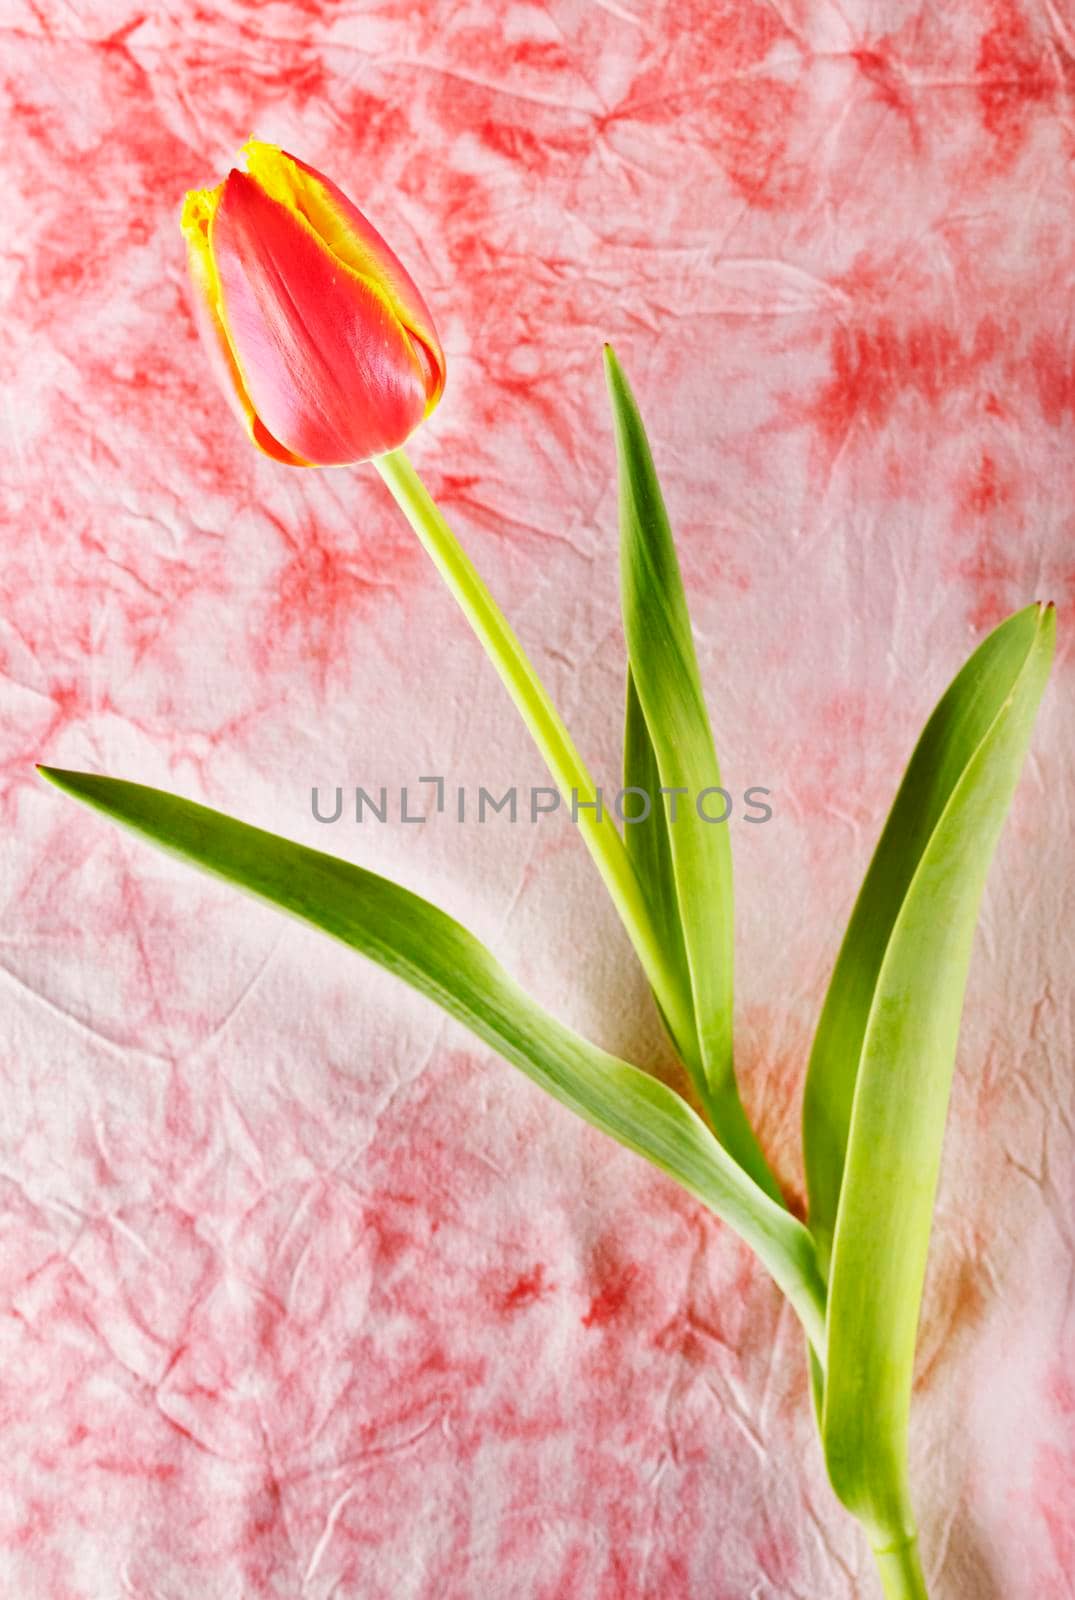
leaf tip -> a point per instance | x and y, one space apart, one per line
60 777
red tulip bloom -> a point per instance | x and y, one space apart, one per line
322 343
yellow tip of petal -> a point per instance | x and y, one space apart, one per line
199 206
255 150
273 171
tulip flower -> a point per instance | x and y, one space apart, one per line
319 338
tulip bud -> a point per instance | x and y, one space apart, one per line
321 342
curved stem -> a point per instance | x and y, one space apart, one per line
901 1571
550 735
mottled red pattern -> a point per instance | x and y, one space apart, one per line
301 1294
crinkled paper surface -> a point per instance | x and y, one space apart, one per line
304 1295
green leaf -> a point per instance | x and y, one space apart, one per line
646 836
664 671
915 922
953 733
435 955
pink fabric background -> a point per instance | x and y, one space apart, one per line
303 1294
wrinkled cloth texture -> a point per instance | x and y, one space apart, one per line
303 1293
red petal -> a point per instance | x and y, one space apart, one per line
357 242
204 298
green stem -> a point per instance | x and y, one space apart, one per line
901 1570
550 735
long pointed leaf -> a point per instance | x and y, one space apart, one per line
664 669
435 955
646 836
951 736
904 1076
